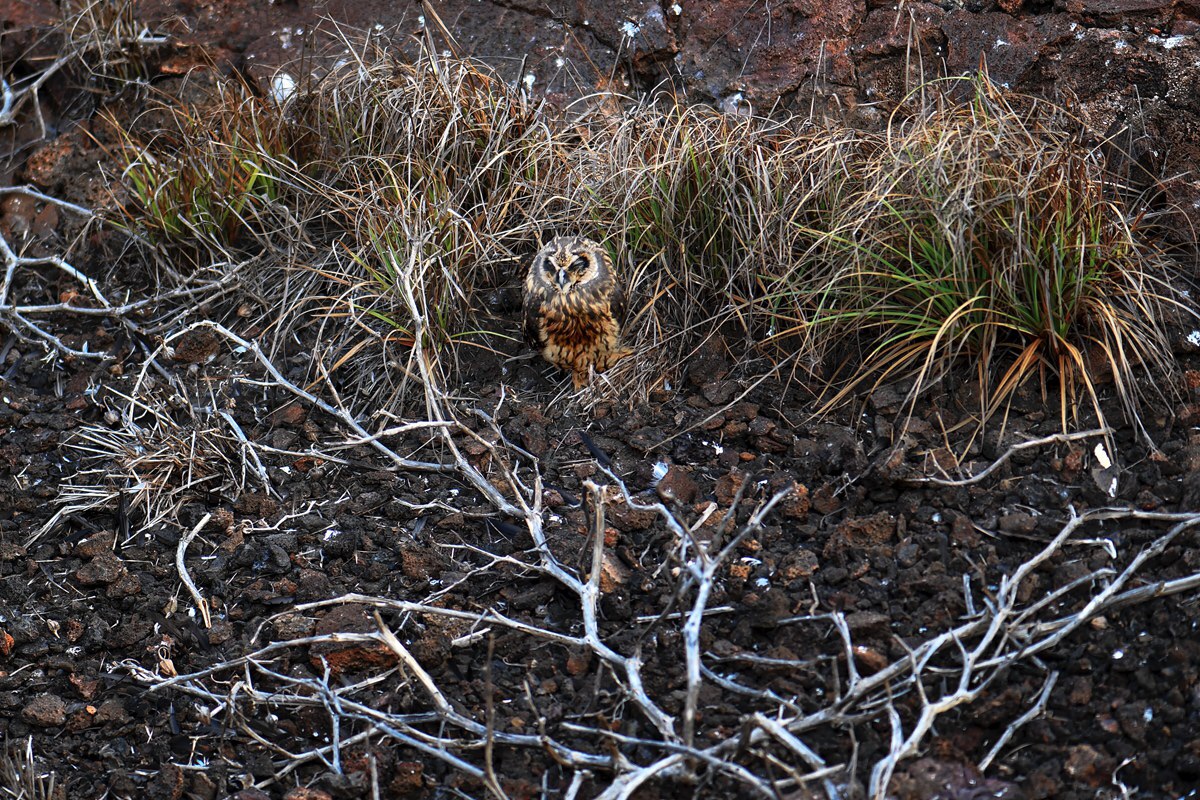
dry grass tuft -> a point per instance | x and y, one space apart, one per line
987 235
719 215
143 465
98 43
22 778
432 181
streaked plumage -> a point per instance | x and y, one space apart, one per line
574 307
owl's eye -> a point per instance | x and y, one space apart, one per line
579 264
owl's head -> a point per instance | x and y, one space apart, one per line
569 262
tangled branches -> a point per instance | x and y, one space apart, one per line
781 746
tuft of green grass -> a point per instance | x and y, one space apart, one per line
208 173
983 234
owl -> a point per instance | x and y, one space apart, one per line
574 307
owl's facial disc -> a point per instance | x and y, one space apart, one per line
568 273
581 269
552 273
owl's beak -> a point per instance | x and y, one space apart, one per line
561 278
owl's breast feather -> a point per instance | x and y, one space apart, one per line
575 321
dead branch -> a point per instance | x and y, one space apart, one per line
994 646
1036 709
1007 454
946 670
254 348
12 99
181 566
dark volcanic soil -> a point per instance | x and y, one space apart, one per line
94 511
95 594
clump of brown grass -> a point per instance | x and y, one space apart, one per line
720 215
435 176
434 181
376 185
97 42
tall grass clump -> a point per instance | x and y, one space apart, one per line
718 215
375 183
436 161
433 180
989 235
201 175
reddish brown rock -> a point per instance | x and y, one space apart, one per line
102 570
613 574
345 657
796 505
168 784
17 213
293 626
85 686
111 711
198 346
746 54
728 487
307 793
408 778
1010 46
1088 764
126 585
629 519
798 564
578 662
1020 522
677 485
28 14
420 563
1111 13
962 530
867 531
869 659
79 719
257 505
53 163
45 711
369 758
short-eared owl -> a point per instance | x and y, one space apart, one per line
574 307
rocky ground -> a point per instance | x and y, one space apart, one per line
94 611
843 605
